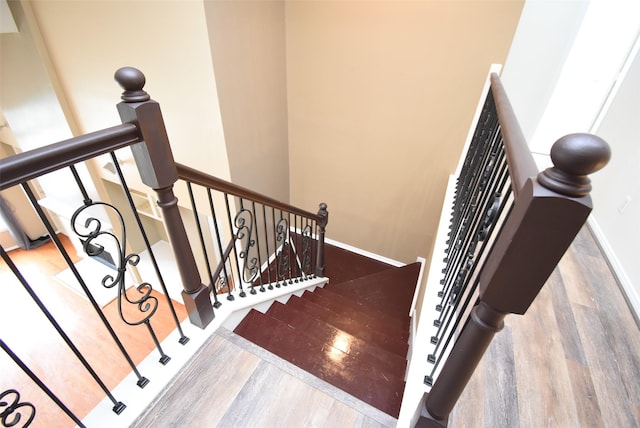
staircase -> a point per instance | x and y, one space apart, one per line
352 333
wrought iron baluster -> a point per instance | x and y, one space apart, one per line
11 408
224 279
15 409
306 250
146 303
282 236
266 243
118 406
125 187
142 381
276 258
235 250
291 248
212 280
255 227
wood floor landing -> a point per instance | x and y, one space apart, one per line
573 360
234 383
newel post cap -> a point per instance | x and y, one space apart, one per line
574 157
132 81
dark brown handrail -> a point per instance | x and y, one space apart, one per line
37 162
206 180
521 164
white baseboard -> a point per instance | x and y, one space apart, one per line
628 289
365 253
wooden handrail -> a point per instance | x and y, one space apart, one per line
521 164
206 180
38 162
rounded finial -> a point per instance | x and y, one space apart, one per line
574 157
132 81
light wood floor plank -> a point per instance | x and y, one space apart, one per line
612 397
589 414
205 389
501 409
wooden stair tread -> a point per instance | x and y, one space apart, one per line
343 265
324 361
392 344
370 318
389 291
327 333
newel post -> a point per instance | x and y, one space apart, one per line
157 168
548 213
322 224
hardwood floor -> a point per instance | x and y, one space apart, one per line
234 383
29 334
573 360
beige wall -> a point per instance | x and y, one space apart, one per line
167 40
380 98
247 41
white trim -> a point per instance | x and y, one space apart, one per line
618 270
138 400
412 313
418 366
364 253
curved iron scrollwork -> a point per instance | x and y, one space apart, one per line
244 224
13 411
305 263
282 241
145 302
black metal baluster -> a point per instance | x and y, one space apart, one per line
235 251
118 406
5 414
223 259
142 381
266 243
255 227
146 303
276 260
212 280
183 338
291 248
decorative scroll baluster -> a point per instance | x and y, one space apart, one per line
305 263
183 338
282 242
244 223
13 410
142 381
145 302
235 251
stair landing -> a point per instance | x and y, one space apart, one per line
352 333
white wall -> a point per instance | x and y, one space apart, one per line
616 189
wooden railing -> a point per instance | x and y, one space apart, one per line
509 227
244 240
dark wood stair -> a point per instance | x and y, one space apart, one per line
352 333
